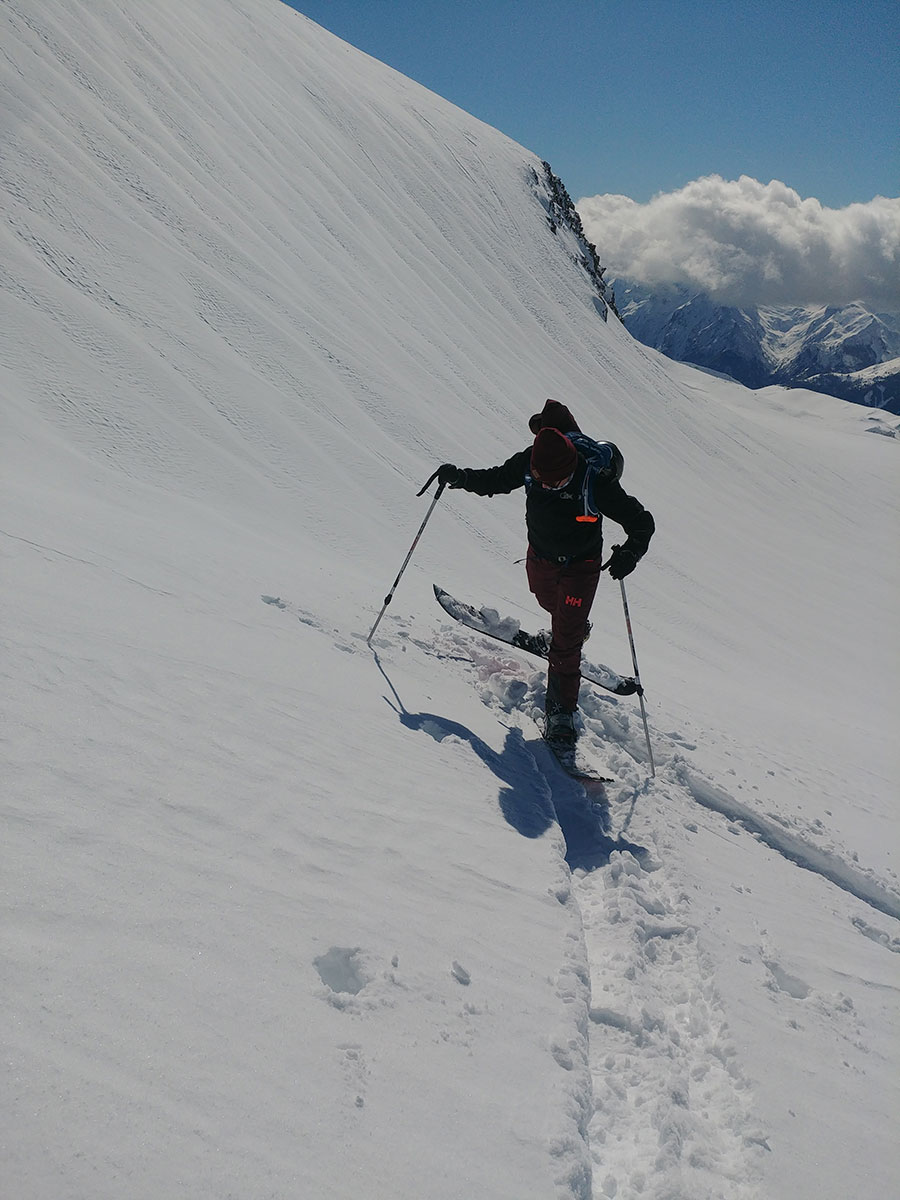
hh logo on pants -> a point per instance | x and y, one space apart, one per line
575 601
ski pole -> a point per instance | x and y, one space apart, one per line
637 676
389 597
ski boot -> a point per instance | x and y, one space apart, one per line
560 728
534 643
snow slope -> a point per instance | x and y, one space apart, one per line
287 915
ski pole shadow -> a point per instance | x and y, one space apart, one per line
524 803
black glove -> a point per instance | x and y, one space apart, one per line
453 477
622 562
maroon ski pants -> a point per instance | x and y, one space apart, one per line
566 591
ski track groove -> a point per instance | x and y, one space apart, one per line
666 1084
795 849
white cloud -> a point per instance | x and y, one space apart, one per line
746 242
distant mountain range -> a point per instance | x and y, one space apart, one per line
846 351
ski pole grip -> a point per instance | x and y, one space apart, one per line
604 566
431 480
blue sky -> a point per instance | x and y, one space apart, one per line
638 97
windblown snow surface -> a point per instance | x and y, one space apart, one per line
287 915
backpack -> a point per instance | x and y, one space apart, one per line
604 461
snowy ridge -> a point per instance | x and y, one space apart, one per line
291 916
845 351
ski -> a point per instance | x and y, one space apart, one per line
567 757
507 629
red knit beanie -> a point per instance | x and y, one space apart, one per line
553 457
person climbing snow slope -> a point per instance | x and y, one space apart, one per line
571 483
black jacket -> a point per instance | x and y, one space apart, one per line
552 518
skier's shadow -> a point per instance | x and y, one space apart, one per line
532 800
582 809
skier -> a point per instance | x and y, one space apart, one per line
566 499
